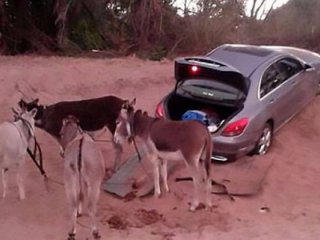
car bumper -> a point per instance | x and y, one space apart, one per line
231 148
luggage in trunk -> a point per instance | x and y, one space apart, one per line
210 114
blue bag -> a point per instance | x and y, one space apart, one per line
196 115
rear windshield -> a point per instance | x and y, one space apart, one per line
209 90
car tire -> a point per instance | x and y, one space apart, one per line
265 140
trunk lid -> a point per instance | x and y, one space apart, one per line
206 79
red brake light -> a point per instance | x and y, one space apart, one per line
235 128
159 110
194 69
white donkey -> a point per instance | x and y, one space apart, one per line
14 140
84 169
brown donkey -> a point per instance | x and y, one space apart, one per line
186 141
83 172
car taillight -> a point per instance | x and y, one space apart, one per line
235 128
194 69
159 110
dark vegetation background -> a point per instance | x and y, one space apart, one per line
151 28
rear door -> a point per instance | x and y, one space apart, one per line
277 92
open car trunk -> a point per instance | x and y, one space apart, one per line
177 108
206 90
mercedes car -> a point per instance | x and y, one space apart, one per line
242 93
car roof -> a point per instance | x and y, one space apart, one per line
247 58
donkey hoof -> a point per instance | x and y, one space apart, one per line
71 236
194 207
22 197
209 206
96 234
79 214
157 195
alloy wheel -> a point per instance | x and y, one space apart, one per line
264 142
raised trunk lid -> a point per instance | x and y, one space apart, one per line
205 68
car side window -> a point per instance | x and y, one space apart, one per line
290 66
269 80
277 73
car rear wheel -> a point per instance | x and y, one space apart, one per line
265 140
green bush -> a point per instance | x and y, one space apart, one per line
86 35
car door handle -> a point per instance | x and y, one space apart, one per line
293 83
271 100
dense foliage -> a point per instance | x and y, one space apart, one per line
151 28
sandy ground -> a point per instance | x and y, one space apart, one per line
290 191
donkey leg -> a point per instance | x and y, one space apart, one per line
164 174
118 153
93 197
80 204
208 192
72 232
72 192
4 182
20 182
156 175
196 183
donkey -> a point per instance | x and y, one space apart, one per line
93 114
14 140
186 141
83 172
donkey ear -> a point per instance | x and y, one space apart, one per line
16 111
22 103
33 112
133 102
125 104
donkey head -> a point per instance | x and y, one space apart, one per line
27 117
69 130
27 106
123 122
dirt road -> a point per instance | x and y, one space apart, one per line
289 197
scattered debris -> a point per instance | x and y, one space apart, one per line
129 197
264 210
116 222
148 217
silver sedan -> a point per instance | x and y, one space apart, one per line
243 93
